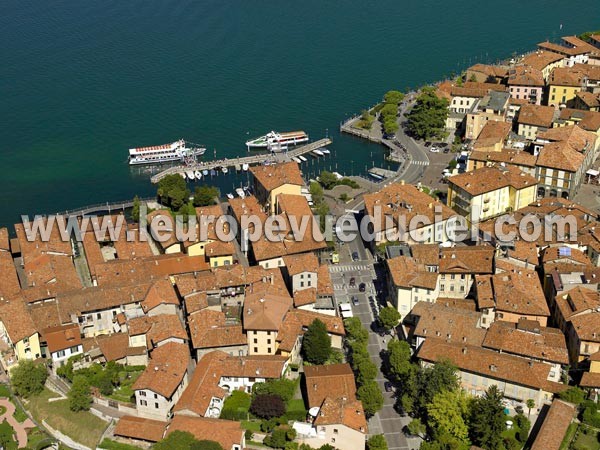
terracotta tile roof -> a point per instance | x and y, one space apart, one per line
589 99
31 249
157 328
459 303
484 292
196 302
490 70
526 76
294 209
491 364
477 259
166 369
590 380
265 312
334 380
404 200
112 346
297 321
54 271
565 76
263 366
248 206
4 239
342 411
426 254
563 253
493 132
524 251
554 427
546 344
587 120
226 432
276 175
305 297
508 156
139 428
160 293
520 292
45 315
406 273
587 326
209 329
536 115
491 178
304 262
447 322
9 281
324 283
16 319
62 337
219 248
590 71
541 59
203 386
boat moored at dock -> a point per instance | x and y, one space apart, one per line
317 153
275 141
175 151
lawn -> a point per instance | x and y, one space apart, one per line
236 406
124 393
252 426
6 436
113 445
5 392
82 427
587 441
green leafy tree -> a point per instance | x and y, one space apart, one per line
448 412
367 371
28 378
430 381
173 191
355 331
282 387
80 397
267 406
530 405
487 420
277 439
389 317
390 126
316 191
344 197
135 210
316 344
428 116
371 397
524 425
416 427
389 111
205 195
328 180
444 441
184 440
573 395
394 97
377 442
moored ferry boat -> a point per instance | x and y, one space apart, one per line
175 151
277 140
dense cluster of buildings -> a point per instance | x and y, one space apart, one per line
202 323
539 114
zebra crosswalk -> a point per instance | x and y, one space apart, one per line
420 163
349 268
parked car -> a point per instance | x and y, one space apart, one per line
355 300
447 150
362 287
354 256
388 386
427 144
434 150
352 281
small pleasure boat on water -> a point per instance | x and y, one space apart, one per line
297 160
205 172
302 158
230 196
245 167
317 152
224 169
190 174
325 151
198 174
240 192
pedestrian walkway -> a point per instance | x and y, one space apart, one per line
20 428
348 268
420 163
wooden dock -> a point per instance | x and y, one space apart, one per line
237 163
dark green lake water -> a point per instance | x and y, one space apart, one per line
82 81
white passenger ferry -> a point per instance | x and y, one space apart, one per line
277 140
175 151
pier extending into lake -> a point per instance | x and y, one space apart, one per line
237 163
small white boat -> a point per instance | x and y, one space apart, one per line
183 175
325 151
296 160
240 192
224 169
229 195
205 172
245 167
338 175
198 174
317 152
190 174
302 158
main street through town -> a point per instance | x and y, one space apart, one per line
347 278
